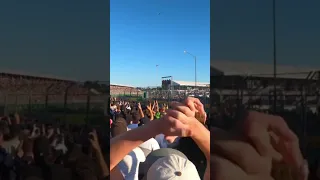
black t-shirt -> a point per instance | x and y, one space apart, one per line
144 120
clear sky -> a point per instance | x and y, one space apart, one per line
68 39
242 31
146 33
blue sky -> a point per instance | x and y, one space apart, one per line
68 39
140 39
242 31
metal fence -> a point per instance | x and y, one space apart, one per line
178 95
83 100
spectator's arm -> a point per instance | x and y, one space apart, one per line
151 112
200 135
151 115
140 110
157 106
121 145
154 105
202 139
101 162
17 118
9 121
43 130
20 152
115 174
97 149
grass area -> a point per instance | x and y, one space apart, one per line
74 115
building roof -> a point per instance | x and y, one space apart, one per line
33 75
121 85
190 83
229 68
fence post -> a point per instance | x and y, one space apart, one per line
30 97
5 103
16 103
88 106
47 96
65 104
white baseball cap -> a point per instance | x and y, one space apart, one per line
173 167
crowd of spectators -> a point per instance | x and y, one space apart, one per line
37 149
156 141
170 152
33 146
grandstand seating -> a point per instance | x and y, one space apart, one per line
124 90
21 89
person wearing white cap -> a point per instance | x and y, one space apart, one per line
173 167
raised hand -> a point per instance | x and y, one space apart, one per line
233 158
176 123
17 118
35 132
94 140
272 137
194 108
149 107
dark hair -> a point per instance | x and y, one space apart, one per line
136 117
188 147
118 127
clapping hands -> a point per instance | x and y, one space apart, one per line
180 119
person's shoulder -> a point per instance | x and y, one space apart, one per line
153 141
138 153
159 138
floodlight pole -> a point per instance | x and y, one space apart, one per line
195 72
195 68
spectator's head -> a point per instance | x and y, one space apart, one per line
135 117
85 169
27 147
121 114
157 154
171 139
5 130
15 131
26 131
4 127
118 108
41 149
166 163
49 129
118 127
162 109
188 147
172 167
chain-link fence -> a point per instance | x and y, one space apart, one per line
58 99
166 96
